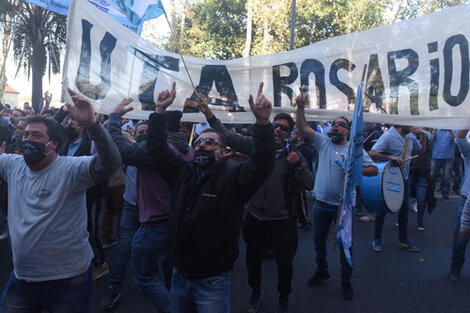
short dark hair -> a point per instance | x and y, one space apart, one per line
223 143
347 121
54 130
21 111
287 117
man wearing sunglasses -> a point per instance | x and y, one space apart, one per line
332 150
270 221
208 196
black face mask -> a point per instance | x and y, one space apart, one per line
204 159
336 138
33 152
141 138
71 133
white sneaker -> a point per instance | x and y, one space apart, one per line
4 236
367 218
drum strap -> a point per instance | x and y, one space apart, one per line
404 153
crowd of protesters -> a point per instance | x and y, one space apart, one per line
174 197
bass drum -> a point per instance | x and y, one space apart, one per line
386 191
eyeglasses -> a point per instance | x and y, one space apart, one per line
284 128
342 124
208 140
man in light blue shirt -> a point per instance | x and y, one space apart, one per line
391 147
443 154
332 150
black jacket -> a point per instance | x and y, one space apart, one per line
206 213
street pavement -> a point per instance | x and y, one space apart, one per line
392 281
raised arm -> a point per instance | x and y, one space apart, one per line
134 154
252 173
167 163
301 121
107 160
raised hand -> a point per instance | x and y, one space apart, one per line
165 99
48 98
121 106
203 107
262 107
82 110
301 100
292 157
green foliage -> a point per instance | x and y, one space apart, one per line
215 29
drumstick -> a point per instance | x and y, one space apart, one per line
409 159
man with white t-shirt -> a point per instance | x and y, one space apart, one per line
47 216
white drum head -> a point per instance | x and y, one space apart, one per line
393 187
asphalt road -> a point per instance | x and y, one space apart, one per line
391 281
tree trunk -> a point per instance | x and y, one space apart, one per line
38 66
249 29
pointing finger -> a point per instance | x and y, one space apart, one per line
260 89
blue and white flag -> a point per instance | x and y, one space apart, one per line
141 10
353 167
131 14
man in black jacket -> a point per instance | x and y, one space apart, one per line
207 206
270 220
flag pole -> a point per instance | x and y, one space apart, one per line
179 52
340 208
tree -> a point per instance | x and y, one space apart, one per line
39 39
9 9
212 29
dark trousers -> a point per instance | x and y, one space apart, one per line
279 235
402 218
323 216
69 295
93 206
113 204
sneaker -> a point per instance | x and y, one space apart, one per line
377 245
101 271
107 245
420 227
348 292
408 246
454 276
318 277
367 218
4 236
113 293
282 307
255 299
414 207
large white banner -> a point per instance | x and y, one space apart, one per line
417 72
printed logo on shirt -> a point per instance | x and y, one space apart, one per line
44 193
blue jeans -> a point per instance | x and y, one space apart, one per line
207 295
70 295
402 218
127 228
458 250
323 216
446 165
420 187
150 265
